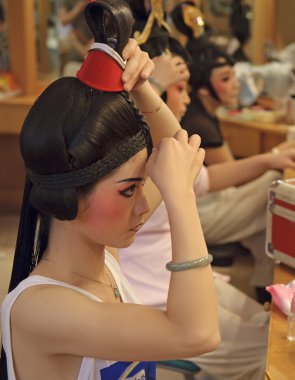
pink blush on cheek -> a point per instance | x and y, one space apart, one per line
106 207
220 88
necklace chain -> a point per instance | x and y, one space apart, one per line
111 285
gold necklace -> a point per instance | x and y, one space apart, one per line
112 285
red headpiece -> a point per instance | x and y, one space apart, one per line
102 69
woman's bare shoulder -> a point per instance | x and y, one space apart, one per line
39 307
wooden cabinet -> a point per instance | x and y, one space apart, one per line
23 57
22 43
247 138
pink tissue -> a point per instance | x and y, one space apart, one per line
282 296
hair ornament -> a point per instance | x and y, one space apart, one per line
193 18
102 69
157 14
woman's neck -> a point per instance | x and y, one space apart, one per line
209 104
70 249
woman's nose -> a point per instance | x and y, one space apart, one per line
141 207
186 98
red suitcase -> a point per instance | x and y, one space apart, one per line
280 231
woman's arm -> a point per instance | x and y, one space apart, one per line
139 67
217 155
186 235
168 71
67 16
80 48
239 172
161 120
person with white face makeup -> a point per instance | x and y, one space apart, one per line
87 145
213 83
243 322
239 211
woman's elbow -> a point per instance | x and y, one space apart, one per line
212 342
204 342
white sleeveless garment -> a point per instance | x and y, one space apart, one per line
91 369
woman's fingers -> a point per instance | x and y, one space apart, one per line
138 67
134 75
129 49
147 69
176 162
195 141
181 135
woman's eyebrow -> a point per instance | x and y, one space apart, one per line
135 179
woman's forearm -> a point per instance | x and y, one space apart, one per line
159 117
218 155
191 294
238 172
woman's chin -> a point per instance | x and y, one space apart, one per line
232 104
127 242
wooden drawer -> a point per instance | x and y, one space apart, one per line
242 141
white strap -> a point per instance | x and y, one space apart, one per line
108 50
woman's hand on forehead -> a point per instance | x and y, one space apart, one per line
174 165
139 66
170 70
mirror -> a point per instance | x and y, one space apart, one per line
4 54
52 42
64 36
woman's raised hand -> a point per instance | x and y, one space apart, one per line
285 159
139 66
170 70
284 146
175 163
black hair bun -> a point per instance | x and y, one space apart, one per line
62 204
109 20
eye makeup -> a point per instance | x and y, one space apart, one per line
135 179
129 191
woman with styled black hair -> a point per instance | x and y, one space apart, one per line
239 355
240 24
87 148
188 19
213 84
212 79
243 322
152 32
